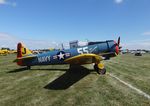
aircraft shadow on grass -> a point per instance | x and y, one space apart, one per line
24 69
17 70
69 78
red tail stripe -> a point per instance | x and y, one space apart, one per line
19 53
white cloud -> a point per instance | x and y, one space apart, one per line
2 1
5 2
140 44
118 1
5 36
8 40
146 33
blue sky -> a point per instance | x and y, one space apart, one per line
45 23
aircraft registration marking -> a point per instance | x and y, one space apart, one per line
83 50
44 59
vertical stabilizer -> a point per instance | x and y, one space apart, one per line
21 52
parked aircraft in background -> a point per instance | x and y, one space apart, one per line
5 51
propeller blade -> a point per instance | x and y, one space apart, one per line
119 41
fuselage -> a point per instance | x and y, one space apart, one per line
58 56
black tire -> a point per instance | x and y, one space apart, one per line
99 71
96 69
103 71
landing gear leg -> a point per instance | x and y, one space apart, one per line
28 67
99 68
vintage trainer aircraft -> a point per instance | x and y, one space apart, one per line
4 51
93 52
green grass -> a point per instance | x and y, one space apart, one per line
57 85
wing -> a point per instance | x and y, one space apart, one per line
25 58
84 59
109 53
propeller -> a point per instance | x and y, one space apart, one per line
117 46
118 41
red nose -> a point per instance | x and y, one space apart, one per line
116 48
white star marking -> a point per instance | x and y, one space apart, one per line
61 56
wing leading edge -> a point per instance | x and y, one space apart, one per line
84 59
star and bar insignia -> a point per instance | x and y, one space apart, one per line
61 55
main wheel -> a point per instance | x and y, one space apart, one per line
103 71
95 67
98 70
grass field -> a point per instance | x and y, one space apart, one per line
61 86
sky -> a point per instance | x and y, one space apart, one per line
47 23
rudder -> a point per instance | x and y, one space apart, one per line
21 52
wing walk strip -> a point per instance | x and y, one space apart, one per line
130 86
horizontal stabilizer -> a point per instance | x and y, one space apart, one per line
25 58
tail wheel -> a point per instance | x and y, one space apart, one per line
28 67
99 68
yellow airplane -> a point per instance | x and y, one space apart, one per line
4 52
12 51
